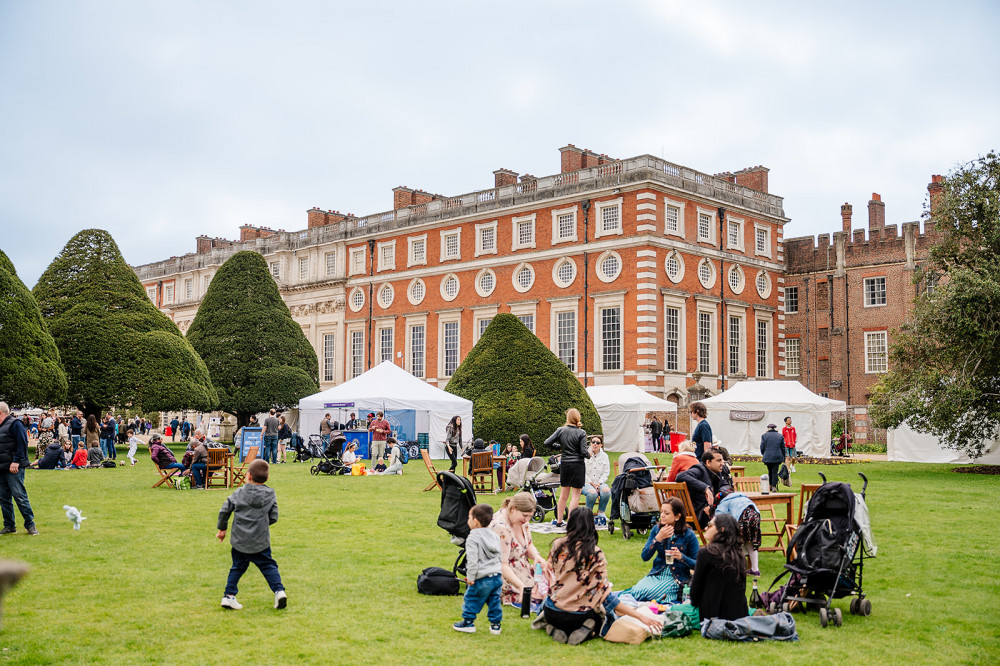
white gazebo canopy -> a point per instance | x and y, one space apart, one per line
739 416
389 387
623 409
904 444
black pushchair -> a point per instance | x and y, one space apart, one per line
543 485
826 556
329 461
457 499
635 475
307 450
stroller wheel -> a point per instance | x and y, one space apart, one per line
855 602
838 617
642 531
314 470
865 608
786 608
539 515
772 608
824 617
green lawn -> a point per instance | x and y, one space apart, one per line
141 582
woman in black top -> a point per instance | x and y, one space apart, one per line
527 448
453 440
571 440
719 584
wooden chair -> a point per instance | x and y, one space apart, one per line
746 484
166 477
667 489
240 473
430 470
217 469
481 471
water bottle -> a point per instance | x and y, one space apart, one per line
526 602
765 484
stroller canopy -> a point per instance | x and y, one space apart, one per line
835 502
457 498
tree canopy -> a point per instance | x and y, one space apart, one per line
944 378
517 385
117 347
257 355
30 370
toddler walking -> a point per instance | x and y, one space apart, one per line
133 444
482 572
256 509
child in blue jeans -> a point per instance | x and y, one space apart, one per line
482 571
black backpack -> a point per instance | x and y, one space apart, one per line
437 581
816 548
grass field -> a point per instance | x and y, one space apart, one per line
142 580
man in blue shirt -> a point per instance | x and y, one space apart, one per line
13 460
702 435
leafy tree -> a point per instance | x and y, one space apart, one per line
257 355
30 370
117 348
945 372
517 386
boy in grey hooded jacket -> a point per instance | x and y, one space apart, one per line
482 572
256 509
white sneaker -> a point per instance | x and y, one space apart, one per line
792 468
231 603
280 599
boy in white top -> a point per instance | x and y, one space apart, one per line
133 443
598 470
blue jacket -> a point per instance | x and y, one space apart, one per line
687 543
734 505
772 447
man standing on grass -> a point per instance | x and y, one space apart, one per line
271 426
13 460
380 429
174 423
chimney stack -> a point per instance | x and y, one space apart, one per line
876 215
571 158
504 177
935 188
402 197
845 216
754 177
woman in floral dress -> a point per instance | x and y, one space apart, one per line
517 552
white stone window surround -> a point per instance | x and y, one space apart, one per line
876 352
667 263
736 279
151 292
558 306
416 250
599 208
707 277
711 308
712 224
358 259
679 205
759 228
740 244
481 313
601 302
356 302
484 229
330 263
411 322
387 255
526 308
556 237
520 288
599 265
521 241
274 267
386 294
481 277
557 269
763 279
874 292
451 238
678 303
450 287
739 312
768 358
416 291
450 317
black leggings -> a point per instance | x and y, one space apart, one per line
772 474
452 455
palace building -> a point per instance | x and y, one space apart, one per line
633 270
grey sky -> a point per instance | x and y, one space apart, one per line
160 121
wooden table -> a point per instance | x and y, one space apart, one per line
501 478
737 470
769 504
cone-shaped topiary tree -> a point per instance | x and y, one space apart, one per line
517 386
257 355
117 348
30 370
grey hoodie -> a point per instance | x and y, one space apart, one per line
256 509
482 554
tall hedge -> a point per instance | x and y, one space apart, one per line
256 353
517 386
30 370
117 347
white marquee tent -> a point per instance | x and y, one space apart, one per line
389 387
905 444
623 409
763 402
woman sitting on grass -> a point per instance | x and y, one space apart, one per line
517 552
673 547
349 456
579 586
719 584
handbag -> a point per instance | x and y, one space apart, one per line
675 624
182 482
358 469
438 581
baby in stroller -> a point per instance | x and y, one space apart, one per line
633 500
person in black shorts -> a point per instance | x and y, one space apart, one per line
571 440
